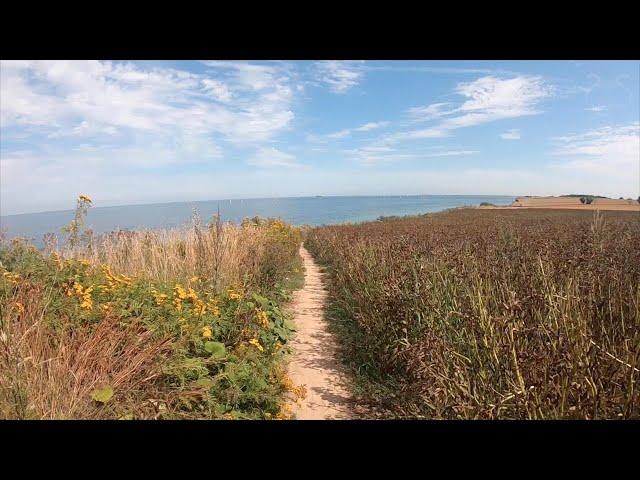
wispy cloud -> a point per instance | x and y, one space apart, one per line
346 132
377 154
270 157
340 76
596 108
609 150
513 134
487 99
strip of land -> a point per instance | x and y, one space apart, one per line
570 203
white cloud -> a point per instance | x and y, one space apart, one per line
596 108
238 102
513 134
488 99
429 112
340 76
611 150
371 126
376 154
347 131
272 157
451 153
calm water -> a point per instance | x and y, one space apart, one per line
298 211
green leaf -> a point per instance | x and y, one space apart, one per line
102 395
205 382
216 349
289 324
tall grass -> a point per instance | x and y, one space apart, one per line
169 323
490 314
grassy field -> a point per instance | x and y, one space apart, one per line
183 323
492 314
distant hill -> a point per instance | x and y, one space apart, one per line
583 195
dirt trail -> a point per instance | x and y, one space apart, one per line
314 363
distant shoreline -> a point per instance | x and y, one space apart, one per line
568 203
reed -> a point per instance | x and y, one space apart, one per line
490 314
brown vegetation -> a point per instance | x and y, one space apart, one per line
490 313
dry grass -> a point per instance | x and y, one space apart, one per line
490 313
49 373
224 254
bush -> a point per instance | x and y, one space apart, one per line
156 324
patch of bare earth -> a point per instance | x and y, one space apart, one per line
314 362
570 203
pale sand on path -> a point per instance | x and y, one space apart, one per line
314 362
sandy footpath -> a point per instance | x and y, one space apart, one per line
314 363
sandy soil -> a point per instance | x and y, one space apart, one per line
314 363
572 203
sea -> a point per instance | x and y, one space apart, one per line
318 210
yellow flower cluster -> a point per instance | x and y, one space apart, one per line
85 198
256 343
106 308
160 298
299 391
114 281
213 307
12 277
262 317
180 294
207 332
83 294
278 226
285 413
233 295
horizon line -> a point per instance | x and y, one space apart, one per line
261 198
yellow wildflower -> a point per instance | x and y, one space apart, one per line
19 307
213 308
194 279
263 318
256 343
179 292
160 298
87 304
284 413
177 303
85 198
12 277
206 332
200 308
233 295
191 294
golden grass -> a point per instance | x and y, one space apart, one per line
50 373
224 254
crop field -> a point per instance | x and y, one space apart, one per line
489 314
165 324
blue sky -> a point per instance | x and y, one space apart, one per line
145 132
